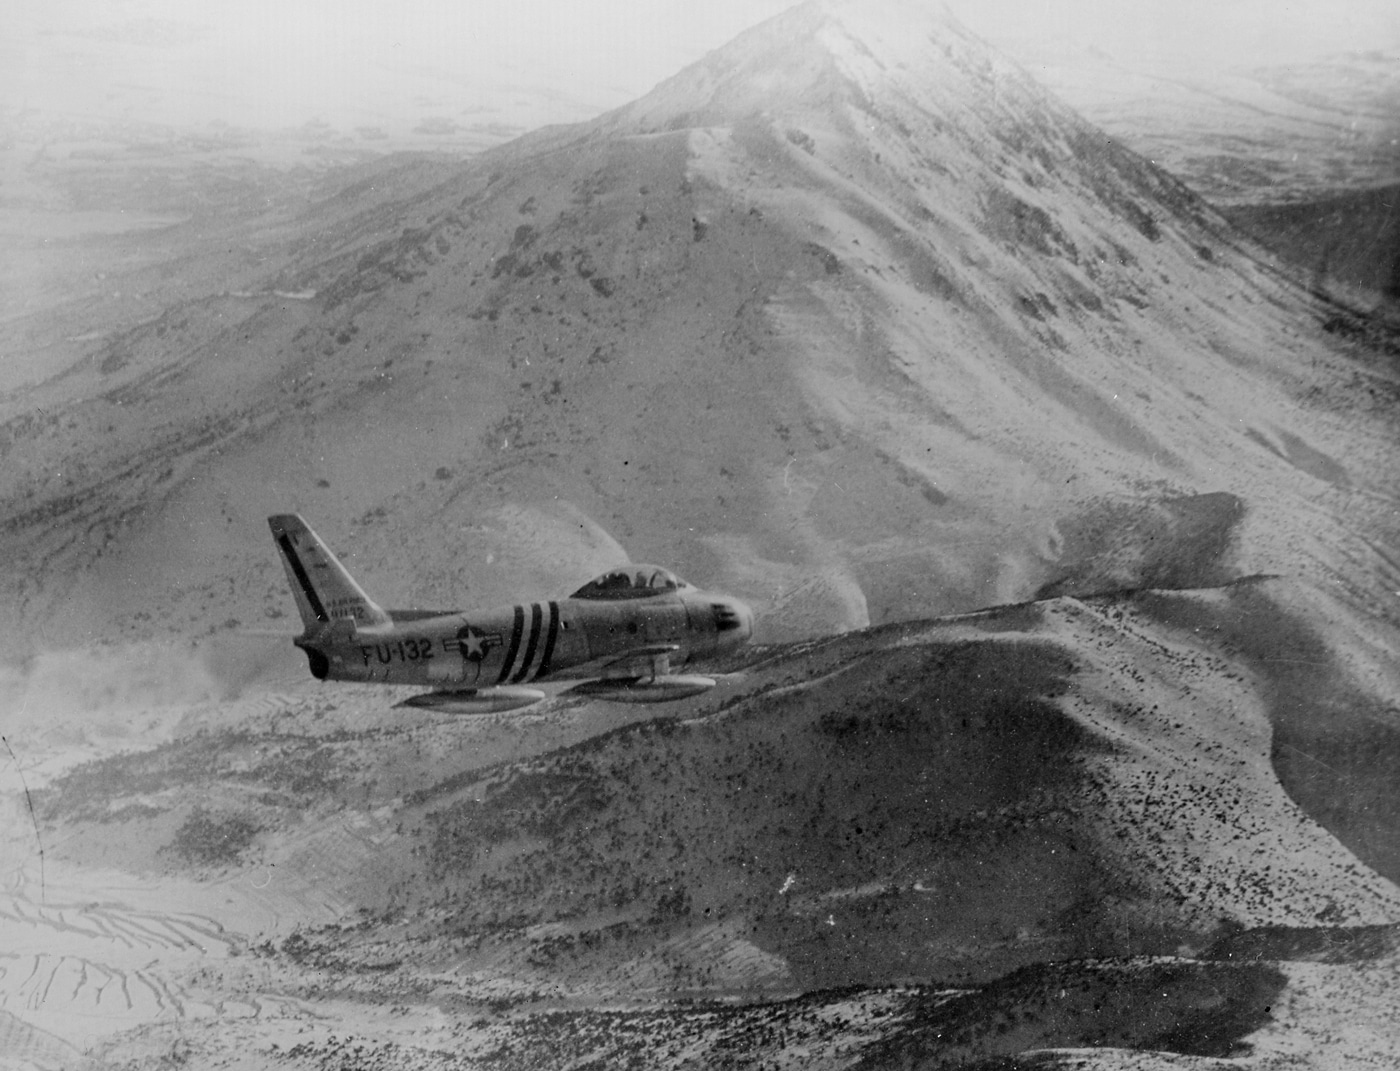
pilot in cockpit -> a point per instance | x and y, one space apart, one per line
661 581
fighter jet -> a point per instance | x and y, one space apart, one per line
623 634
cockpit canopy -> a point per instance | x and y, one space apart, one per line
632 582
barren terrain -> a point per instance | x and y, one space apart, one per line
961 838
1071 518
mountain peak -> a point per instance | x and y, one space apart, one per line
825 54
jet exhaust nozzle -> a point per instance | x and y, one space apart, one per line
318 663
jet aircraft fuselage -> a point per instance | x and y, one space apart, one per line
626 632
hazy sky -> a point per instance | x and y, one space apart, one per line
282 62
1212 32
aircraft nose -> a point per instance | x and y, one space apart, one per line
745 618
733 620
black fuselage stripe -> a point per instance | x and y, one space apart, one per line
514 647
531 645
305 581
549 640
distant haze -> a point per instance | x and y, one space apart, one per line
1185 34
279 63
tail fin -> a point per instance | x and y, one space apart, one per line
324 591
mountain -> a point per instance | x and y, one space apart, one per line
855 320
789 350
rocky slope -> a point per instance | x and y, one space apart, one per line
1239 132
1301 156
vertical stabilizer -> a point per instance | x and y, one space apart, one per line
324 591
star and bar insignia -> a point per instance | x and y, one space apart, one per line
474 644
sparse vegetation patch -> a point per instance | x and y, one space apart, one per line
211 838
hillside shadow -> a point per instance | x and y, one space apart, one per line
1313 944
1336 748
1176 1006
1172 543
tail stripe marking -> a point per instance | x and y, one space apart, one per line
514 647
549 640
284 541
535 615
